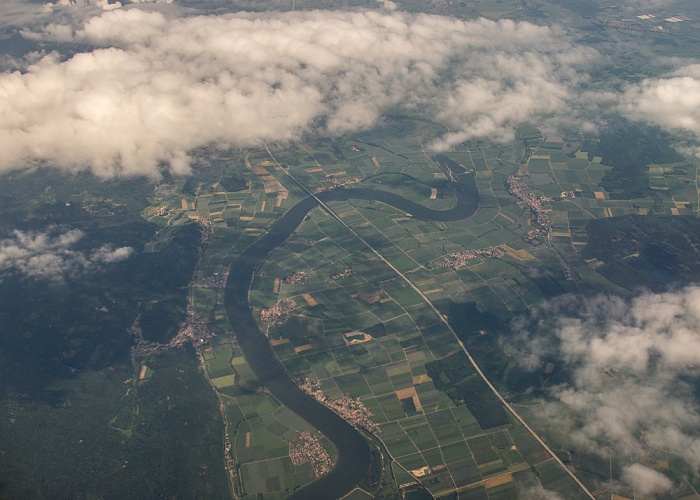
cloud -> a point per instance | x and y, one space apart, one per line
388 4
645 480
632 364
672 102
153 88
533 490
102 4
49 255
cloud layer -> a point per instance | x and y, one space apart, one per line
632 364
671 102
50 255
153 88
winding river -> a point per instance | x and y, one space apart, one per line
353 451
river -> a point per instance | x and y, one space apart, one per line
353 451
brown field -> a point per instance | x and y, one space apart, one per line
373 297
410 393
303 348
270 184
142 374
423 471
277 342
498 480
309 299
281 196
356 338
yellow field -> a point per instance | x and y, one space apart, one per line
225 381
421 379
518 254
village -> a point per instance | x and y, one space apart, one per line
218 280
309 450
296 278
351 409
517 188
193 330
335 183
347 271
278 314
459 259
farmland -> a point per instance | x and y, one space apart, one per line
358 329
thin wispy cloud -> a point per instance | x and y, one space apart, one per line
51 254
153 87
631 366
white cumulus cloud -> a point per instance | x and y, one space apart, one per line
154 87
671 102
50 255
631 365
